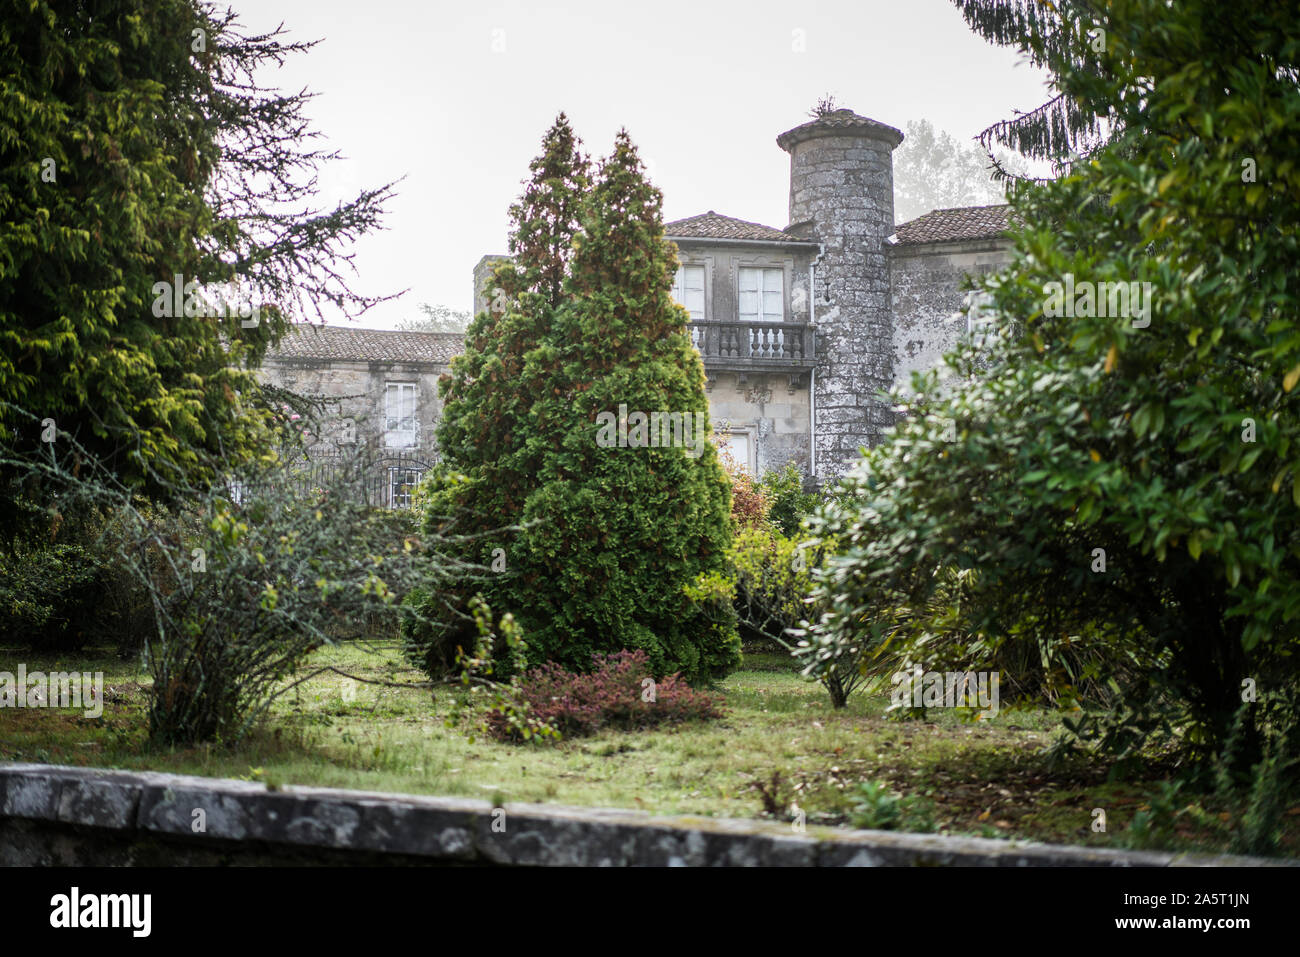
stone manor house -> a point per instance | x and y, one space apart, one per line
799 328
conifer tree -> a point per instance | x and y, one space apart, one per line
139 147
622 534
488 461
601 548
1065 36
486 398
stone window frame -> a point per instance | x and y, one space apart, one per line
705 263
726 428
402 481
783 261
414 432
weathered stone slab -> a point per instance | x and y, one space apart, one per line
230 809
29 796
398 824
100 802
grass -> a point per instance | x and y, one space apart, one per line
780 746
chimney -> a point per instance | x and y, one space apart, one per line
482 279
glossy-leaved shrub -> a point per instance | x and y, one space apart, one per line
788 500
1122 470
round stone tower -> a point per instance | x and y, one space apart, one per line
842 195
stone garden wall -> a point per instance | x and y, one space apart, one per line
54 815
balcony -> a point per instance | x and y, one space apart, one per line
755 346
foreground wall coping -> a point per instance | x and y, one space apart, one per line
135 806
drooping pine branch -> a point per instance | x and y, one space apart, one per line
1059 39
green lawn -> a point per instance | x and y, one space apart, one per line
780 743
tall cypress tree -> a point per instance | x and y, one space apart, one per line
612 538
486 397
619 532
489 462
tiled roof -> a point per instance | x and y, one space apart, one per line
711 225
836 122
954 225
353 342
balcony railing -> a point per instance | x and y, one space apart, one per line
755 344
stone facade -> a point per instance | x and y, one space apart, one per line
361 377
758 373
926 293
482 274
862 303
770 413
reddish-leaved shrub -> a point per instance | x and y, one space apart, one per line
749 502
619 693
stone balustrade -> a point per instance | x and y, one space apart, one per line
755 345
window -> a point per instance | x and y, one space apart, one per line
401 483
761 295
979 320
688 289
737 443
401 427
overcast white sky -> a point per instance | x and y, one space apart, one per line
456 97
